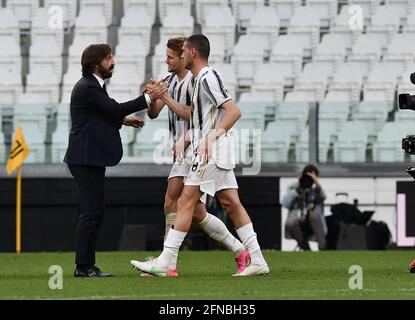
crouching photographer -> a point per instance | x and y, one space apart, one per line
407 102
305 202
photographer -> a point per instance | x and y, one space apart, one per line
305 202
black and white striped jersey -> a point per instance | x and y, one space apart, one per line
178 91
207 94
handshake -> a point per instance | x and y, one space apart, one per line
155 89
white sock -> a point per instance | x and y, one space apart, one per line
167 260
249 239
170 219
217 230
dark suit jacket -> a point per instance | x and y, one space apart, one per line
94 138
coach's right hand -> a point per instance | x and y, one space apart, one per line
156 89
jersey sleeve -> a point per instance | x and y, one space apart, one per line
214 89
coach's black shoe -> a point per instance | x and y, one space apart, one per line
412 267
90 272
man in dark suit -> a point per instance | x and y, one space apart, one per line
94 144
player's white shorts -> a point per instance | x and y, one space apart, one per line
179 170
182 170
210 178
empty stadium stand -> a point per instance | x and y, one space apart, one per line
276 57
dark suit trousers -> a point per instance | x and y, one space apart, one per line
90 183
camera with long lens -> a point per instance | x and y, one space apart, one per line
407 102
408 144
306 182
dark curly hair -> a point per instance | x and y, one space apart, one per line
310 168
92 56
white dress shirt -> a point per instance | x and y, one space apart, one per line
102 82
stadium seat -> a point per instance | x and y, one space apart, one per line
264 25
305 28
145 7
9 25
204 7
127 135
341 27
248 131
61 135
24 10
42 32
42 36
369 6
219 27
71 77
303 96
384 25
365 52
88 29
253 102
159 65
332 115
287 56
43 89
348 81
178 22
381 84
11 84
409 26
37 114
69 8
275 143
228 76
326 10
167 6
313 79
324 144
125 82
132 56
351 143
330 53
252 118
10 58
338 96
294 115
302 153
406 118
387 147
136 28
268 83
372 115
102 8
151 140
33 124
285 9
401 51
402 7
247 57
243 10
36 142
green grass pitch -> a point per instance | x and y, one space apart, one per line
207 275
